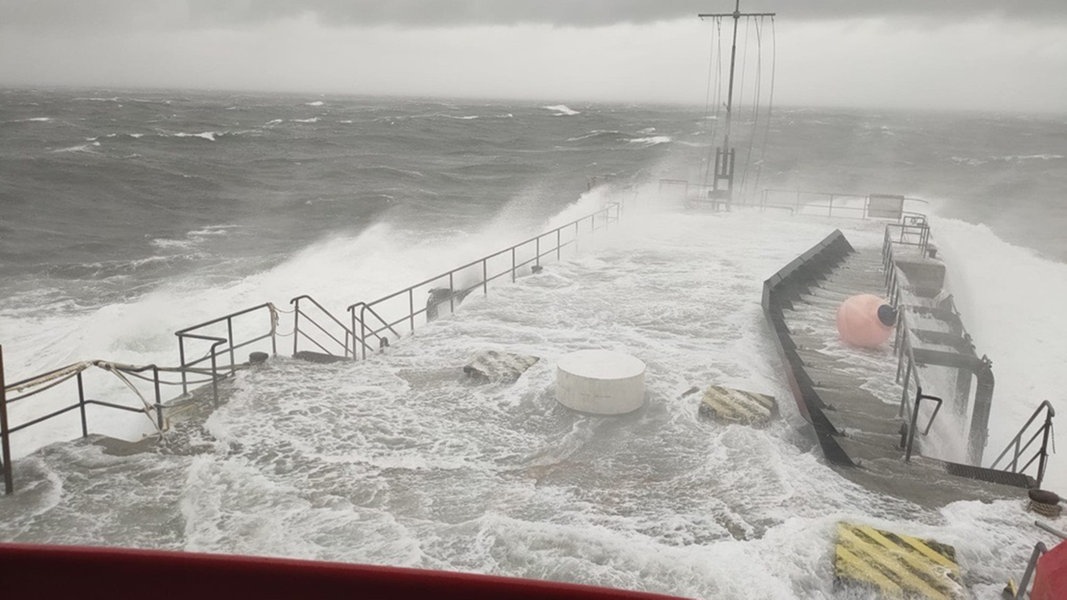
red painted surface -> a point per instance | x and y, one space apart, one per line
858 324
82 573
1050 581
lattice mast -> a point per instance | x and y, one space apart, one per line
724 155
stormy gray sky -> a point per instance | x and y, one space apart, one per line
939 54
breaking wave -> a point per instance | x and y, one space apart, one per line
562 110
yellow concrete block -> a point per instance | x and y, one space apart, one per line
737 406
898 566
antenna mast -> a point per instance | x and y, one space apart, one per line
724 156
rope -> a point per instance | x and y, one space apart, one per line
63 373
770 105
756 102
148 407
716 60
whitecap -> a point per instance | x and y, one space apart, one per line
594 133
652 141
315 103
78 148
273 122
311 120
35 120
562 110
207 135
1022 157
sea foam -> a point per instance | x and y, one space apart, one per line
562 110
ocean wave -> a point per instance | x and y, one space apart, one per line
597 133
212 230
1015 158
652 141
210 136
310 120
79 148
273 122
1022 157
192 238
33 120
562 110
95 99
315 103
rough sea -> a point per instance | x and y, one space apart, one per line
128 215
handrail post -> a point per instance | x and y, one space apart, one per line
159 400
485 277
411 309
81 405
904 393
919 397
451 292
229 333
215 373
1039 549
559 243
181 361
513 264
274 330
296 324
1043 461
5 442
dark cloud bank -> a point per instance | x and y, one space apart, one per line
169 14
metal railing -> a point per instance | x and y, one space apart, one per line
325 336
312 324
913 231
1017 448
919 397
38 384
838 204
1020 592
203 331
374 323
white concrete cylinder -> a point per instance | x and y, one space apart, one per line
602 382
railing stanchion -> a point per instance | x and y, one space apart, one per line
214 375
559 243
229 339
159 398
411 308
181 362
1043 461
5 442
296 324
513 264
485 277
81 405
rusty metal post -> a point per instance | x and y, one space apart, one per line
9 485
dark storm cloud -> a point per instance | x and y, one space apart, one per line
178 14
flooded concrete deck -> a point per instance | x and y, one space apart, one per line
850 395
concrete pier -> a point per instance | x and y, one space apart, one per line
858 430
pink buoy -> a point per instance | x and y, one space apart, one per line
865 320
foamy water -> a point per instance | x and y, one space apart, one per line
399 460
